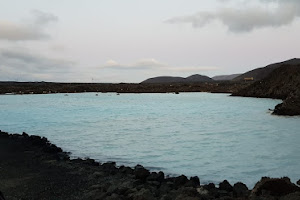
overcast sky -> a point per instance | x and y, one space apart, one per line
131 40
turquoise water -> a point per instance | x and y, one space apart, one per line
213 136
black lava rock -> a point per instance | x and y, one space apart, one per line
1 195
193 182
209 186
160 176
141 173
180 180
125 170
4 134
225 185
240 190
274 187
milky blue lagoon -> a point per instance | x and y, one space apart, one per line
213 136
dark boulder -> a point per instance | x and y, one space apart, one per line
1 196
292 196
52 149
159 177
91 162
3 134
193 182
38 141
209 186
109 167
125 170
141 173
180 180
298 182
166 187
274 187
142 194
25 135
225 185
187 193
240 190
290 106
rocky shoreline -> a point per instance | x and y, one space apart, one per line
48 87
283 83
33 168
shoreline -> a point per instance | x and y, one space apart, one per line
47 87
289 107
36 162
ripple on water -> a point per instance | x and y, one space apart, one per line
213 136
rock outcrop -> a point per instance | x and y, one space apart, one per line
267 188
283 83
263 72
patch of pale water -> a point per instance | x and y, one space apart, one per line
213 136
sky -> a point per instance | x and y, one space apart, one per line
132 40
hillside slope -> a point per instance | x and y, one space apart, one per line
261 73
283 83
170 79
164 79
225 77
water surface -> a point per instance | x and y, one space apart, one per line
213 136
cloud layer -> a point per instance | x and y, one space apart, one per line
23 66
152 64
32 31
248 18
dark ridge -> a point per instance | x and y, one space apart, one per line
196 78
283 83
46 87
260 73
164 79
225 77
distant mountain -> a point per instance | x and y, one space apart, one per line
260 73
171 79
198 78
225 77
164 79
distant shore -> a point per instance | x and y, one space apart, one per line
49 87
290 106
33 168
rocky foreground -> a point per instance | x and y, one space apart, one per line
33 168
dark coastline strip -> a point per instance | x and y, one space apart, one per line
47 87
33 168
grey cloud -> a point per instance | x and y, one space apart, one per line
12 31
43 18
246 19
147 64
139 65
26 66
32 31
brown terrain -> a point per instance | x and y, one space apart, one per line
263 72
282 83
